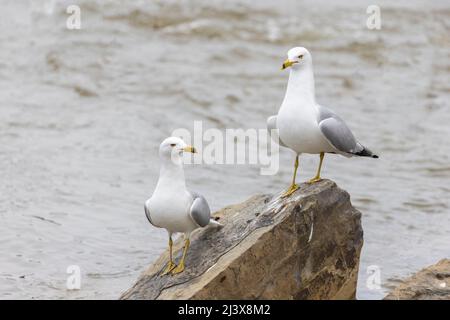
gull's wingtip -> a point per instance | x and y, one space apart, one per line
213 222
366 153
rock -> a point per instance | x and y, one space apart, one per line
306 246
431 283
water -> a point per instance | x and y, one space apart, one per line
82 113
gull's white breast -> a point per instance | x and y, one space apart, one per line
299 130
169 209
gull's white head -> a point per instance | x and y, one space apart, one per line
173 148
297 58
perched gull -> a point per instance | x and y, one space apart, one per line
172 206
306 127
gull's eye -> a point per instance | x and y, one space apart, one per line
300 56
173 145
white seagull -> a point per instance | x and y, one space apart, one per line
305 126
172 206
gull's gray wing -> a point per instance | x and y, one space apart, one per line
272 125
337 132
147 214
200 211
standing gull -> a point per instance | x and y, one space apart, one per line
306 127
172 206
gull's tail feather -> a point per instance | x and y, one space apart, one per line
366 153
215 223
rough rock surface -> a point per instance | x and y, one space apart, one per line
431 283
306 246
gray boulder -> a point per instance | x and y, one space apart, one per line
306 246
431 283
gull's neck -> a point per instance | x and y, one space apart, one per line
171 175
301 86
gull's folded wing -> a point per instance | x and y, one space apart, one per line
272 125
200 211
337 132
147 214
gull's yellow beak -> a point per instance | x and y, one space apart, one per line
287 64
190 149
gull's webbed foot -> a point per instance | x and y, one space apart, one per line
317 177
170 267
314 180
290 191
178 269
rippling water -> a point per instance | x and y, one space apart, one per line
82 113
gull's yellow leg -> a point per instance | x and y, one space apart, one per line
317 177
293 187
171 265
180 267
